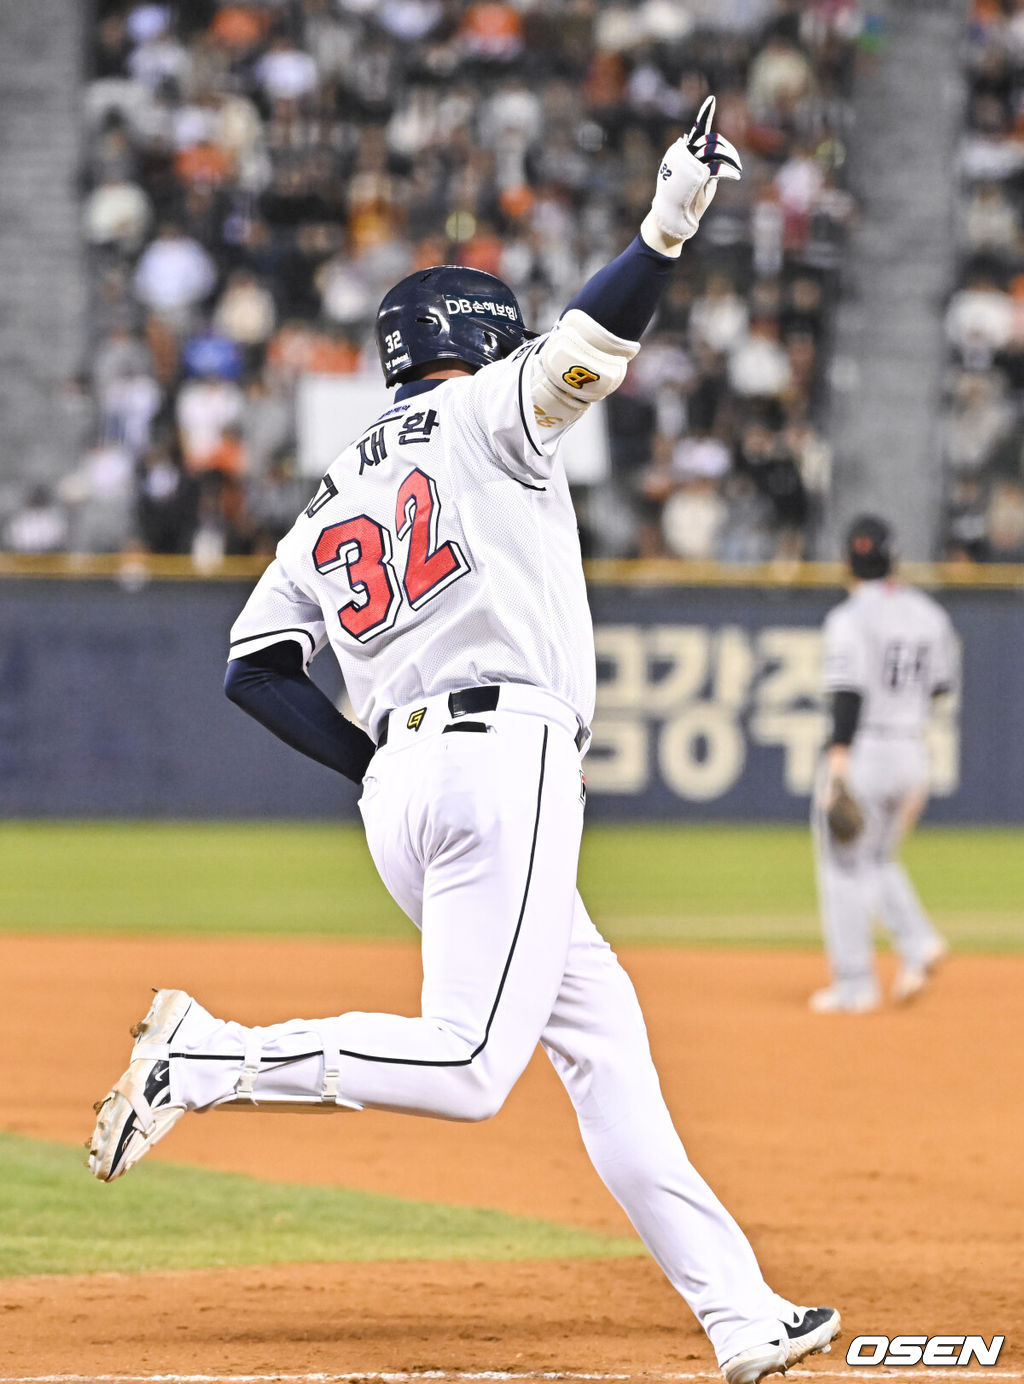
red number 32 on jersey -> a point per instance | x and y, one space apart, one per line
367 549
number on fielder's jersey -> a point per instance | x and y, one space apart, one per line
904 664
366 548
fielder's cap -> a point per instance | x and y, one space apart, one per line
869 547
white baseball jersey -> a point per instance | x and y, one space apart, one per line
440 552
894 645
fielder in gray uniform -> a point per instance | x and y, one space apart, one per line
889 650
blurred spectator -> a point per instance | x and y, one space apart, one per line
686 481
979 417
780 78
268 424
158 58
274 500
130 403
759 367
764 456
813 458
692 519
239 29
99 497
146 22
119 354
967 524
699 456
799 184
979 321
491 32
719 317
746 532
40 526
117 213
226 457
285 73
246 311
410 21
1005 522
344 293
111 47
205 409
213 354
202 165
990 222
79 410
174 275
166 502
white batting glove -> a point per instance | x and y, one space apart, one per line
687 183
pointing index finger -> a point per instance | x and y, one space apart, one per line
705 116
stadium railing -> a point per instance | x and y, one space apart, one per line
601 572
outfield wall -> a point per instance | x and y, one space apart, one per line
111 705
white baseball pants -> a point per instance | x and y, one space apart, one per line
864 879
476 834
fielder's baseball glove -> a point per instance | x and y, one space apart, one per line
843 814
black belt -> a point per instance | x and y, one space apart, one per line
469 702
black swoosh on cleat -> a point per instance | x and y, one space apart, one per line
126 1134
812 1320
158 1083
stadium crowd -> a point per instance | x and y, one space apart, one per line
983 419
258 172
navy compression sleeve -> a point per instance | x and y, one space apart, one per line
271 686
623 295
845 715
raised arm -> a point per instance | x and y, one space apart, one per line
623 296
585 356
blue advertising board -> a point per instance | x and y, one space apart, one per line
709 707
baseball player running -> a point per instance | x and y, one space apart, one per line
889 650
440 561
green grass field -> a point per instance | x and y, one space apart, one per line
54 1218
726 885
668 885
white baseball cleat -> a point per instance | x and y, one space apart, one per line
813 1331
909 984
911 980
137 1112
831 1000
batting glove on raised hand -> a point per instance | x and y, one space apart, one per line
687 183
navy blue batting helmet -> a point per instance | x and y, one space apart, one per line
869 548
448 312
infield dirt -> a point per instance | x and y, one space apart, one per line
874 1161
